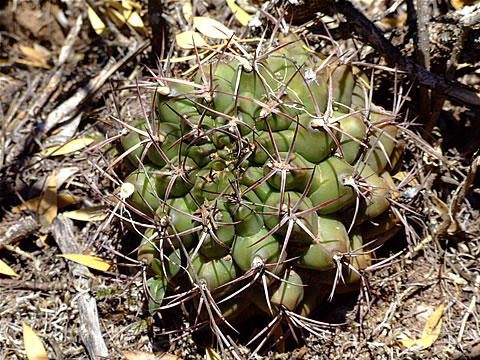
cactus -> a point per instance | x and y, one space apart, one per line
255 183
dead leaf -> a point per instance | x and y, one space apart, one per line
115 15
189 39
432 328
401 175
33 345
63 200
405 341
97 23
90 261
212 28
48 207
130 4
143 355
35 22
115 5
135 20
187 10
241 15
457 4
63 174
68 148
33 63
92 213
7 270
138 355
444 210
211 354
132 16
35 56
43 239
430 333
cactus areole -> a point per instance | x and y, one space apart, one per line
259 185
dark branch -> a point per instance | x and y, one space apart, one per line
374 37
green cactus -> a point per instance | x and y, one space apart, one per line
257 186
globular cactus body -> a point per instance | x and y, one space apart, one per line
253 180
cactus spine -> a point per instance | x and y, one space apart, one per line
257 182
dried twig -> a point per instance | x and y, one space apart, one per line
449 75
120 39
68 108
374 37
57 75
471 350
24 227
467 16
423 56
32 285
458 197
90 331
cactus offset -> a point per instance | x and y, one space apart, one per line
257 181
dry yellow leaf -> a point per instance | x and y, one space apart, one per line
33 63
401 175
92 213
187 10
63 200
43 239
211 354
138 355
212 28
33 346
7 270
129 4
90 261
131 15
97 23
432 328
241 15
430 333
126 5
457 4
134 20
115 16
114 4
68 148
48 208
34 55
31 204
143 355
405 341
189 39
31 52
